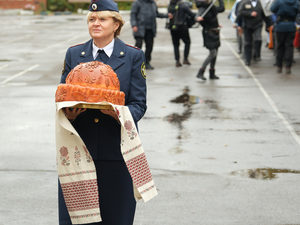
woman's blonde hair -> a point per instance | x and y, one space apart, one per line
115 15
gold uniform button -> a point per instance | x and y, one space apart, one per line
96 120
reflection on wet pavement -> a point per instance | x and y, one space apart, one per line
177 119
185 99
212 104
264 173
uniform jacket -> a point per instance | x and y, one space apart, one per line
250 22
100 132
184 13
210 24
140 11
210 19
286 12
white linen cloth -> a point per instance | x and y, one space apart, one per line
76 169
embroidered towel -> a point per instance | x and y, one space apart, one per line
76 169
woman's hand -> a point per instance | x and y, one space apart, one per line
135 29
199 18
170 15
254 13
111 113
72 113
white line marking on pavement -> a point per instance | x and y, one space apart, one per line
73 38
2 67
20 74
269 99
47 48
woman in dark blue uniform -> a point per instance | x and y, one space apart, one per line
99 129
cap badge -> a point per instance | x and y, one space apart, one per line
94 6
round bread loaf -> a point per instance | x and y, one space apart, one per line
91 82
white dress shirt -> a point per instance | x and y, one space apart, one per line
108 49
254 3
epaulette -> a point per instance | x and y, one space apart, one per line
133 46
76 45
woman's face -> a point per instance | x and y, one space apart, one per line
101 27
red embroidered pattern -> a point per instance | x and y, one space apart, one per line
76 173
85 216
147 189
130 129
132 149
139 170
81 195
87 155
64 156
77 156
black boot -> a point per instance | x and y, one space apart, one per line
279 69
257 49
149 67
212 74
200 74
288 70
178 64
186 61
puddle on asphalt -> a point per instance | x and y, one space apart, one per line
74 19
186 98
187 101
264 173
297 129
212 104
178 118
176 150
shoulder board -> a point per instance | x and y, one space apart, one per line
76 45
133 46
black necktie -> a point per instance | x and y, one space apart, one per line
102 56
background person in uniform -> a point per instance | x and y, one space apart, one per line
297 35
99 129
252 15
285 28
181 19
143 22
237 25
211 35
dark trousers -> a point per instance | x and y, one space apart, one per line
285 48
210 59
239 38
252 36
149 40
117 203
184 35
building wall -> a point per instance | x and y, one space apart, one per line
22 4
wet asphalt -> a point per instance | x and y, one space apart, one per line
222 152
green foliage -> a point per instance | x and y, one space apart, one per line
229 4
124 5
64 5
